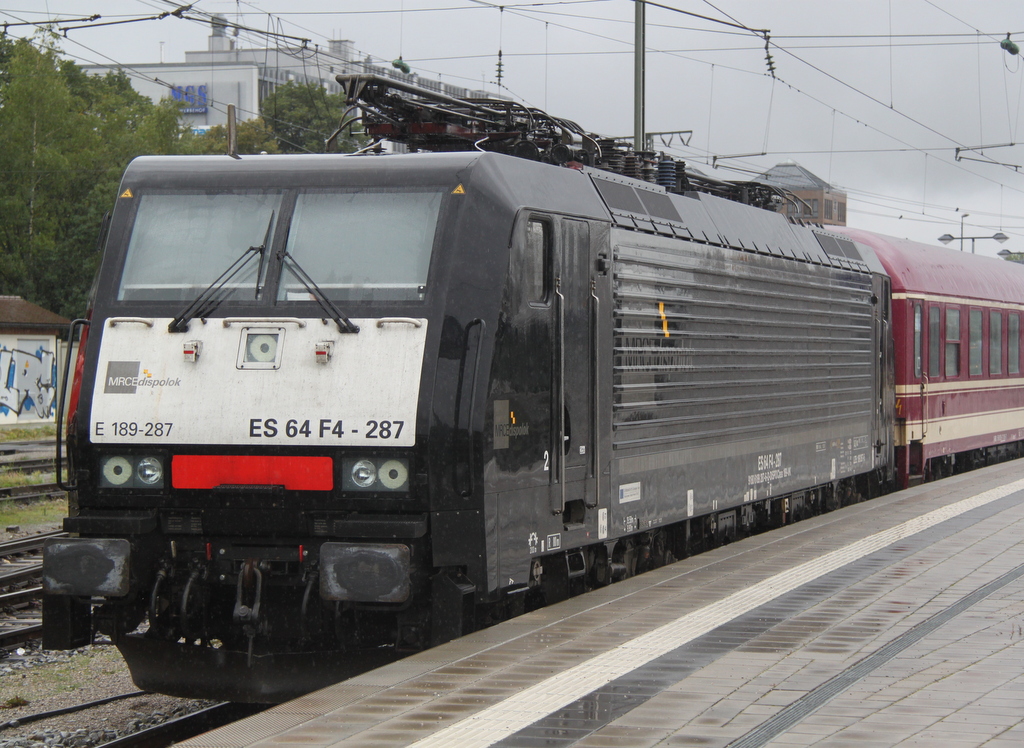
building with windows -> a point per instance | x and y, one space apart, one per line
810 198
208 80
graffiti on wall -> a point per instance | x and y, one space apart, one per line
27 381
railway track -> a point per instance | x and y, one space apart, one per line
157 736
21 564
27 457
36 445
190 725
20 458
36 492
29 465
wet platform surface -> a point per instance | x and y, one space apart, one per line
897 621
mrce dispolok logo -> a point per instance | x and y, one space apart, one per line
125 377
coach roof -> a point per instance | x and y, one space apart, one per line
922 268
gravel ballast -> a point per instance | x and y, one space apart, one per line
34 681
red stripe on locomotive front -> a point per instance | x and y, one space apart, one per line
294 473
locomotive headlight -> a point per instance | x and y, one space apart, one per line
261 348
364 473
116 471
378 474
131 471
393 474
149 471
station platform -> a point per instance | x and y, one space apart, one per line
898 621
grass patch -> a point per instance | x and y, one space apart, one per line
14 478
28 433
35 513
81 672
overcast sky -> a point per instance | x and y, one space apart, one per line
873 96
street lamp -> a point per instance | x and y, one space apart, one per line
947 238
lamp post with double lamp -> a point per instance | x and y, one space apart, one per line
947 238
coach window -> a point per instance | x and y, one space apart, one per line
917 340
934 341
995 343
536 261
974 343
952 342
1013 344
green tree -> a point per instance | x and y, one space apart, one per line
251 136
47 148
303 116
67 138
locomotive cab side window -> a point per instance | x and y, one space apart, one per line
1013 344
975 343
995 343
536 260
952 342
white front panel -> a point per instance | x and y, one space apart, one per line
148 392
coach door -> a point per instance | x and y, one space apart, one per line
574 372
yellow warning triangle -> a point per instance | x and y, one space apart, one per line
460 190
127 193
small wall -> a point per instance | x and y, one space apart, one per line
28 377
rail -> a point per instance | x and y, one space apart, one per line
32 465
28 544
24 622
35 492
183 728
158 736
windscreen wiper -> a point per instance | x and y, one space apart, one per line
205 302
326 305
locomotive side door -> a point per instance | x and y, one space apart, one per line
574 407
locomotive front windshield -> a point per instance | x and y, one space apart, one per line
366 245
355 245
181 243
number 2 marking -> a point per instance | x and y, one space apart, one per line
547 461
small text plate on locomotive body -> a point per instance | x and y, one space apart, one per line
366 395
629 492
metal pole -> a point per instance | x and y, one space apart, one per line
639 77
232 144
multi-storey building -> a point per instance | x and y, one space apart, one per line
208 80
810 198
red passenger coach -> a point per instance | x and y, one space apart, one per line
957 335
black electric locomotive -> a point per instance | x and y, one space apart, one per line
330 409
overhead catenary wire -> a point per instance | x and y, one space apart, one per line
813 98
536 8
605 37
900 207
832 77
